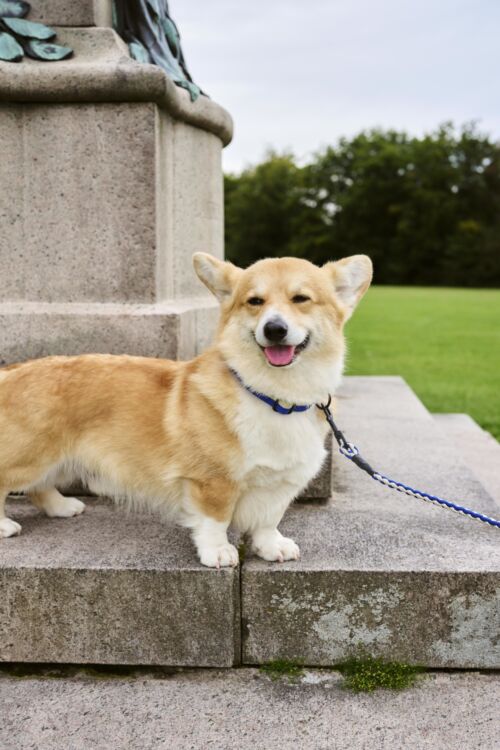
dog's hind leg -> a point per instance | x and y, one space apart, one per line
56 505
8 527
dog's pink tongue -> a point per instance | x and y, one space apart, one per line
280 354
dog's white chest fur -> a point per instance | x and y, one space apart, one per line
277 448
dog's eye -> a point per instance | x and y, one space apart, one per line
300 298
255 301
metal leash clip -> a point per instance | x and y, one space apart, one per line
349 450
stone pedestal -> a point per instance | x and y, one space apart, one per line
110 179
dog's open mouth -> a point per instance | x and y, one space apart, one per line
281 355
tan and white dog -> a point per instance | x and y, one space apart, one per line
190 437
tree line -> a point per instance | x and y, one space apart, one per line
426 210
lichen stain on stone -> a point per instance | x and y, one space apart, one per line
474 631
307 602
347 623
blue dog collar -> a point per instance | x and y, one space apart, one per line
273 403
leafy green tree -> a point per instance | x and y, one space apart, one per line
427 210
261 206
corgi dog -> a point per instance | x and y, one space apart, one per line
228 438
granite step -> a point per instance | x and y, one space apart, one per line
380 572
477 448
111 587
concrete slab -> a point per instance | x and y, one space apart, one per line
380 571
246 710
112 588
476 447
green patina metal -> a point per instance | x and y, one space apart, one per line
19 37
153 37
29 29
10 50
47 52
14 8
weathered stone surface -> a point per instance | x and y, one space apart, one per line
105 203
477 449
176 330
246 710
80 207
71 13
324 616
380 571
113 588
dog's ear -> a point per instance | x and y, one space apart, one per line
218 275
351 278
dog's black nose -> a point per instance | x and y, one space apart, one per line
275 330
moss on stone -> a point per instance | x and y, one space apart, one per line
282 668
364 675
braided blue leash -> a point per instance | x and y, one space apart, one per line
350 451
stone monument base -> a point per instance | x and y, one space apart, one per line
111 179
180 329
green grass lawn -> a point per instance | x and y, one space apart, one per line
444 342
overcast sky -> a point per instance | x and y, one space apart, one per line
297 75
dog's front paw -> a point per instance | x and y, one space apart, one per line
64 507
8 527
275 547
222 556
